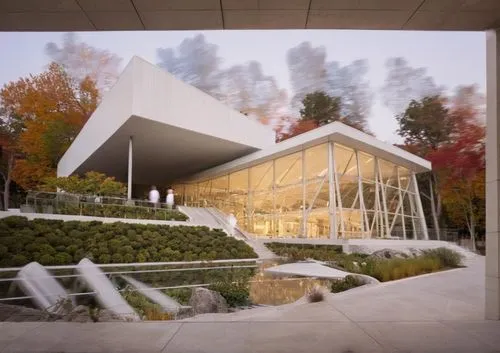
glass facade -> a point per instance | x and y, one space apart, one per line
328 190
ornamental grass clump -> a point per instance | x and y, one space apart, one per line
448 258
316 295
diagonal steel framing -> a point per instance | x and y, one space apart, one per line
420 209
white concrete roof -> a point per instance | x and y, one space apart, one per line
336 132
177 130
102 15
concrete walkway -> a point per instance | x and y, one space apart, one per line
440 312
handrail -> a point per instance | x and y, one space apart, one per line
137 264
78 198
240 264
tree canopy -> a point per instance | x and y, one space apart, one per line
426 123
51 107
320 107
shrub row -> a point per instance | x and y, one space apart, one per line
54 242
235 293
346 283
114 211
299 252
396 268
382 269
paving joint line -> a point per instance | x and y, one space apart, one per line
171 338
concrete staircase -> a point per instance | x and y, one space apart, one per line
214 218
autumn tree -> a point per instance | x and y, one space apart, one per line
81 60
461 166
11 127
296 128
52 107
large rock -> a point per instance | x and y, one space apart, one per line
18 313
204 301
83 313
80 313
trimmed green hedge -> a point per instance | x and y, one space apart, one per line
54 242
305 251
114 211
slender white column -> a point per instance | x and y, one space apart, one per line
304 196
332 210
384 202
364 217
338 194
492 283
130 155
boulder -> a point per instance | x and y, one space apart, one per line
18 313
204 301
80 313
389 254
106 315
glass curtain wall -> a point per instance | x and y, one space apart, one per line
296 196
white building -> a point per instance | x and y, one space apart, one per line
335 181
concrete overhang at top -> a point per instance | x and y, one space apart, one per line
176 129
125 15
335 132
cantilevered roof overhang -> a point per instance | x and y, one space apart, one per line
335 132
132 15
176 130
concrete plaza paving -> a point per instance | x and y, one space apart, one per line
440 312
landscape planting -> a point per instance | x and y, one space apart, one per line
54 242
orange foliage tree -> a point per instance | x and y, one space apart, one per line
461 167
52 107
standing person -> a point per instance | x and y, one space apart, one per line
170 198
232 223
154 196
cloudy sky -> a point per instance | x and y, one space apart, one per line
452 58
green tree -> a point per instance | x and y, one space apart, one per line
93 183
320 107
426 123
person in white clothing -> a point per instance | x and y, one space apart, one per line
232 223
154 195
170 198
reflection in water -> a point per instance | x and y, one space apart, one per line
271 290
277 291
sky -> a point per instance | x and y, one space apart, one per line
452 58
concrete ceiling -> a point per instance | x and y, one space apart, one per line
161 153
111 15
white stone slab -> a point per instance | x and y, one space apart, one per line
167 303
106 293
307 269
37 282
